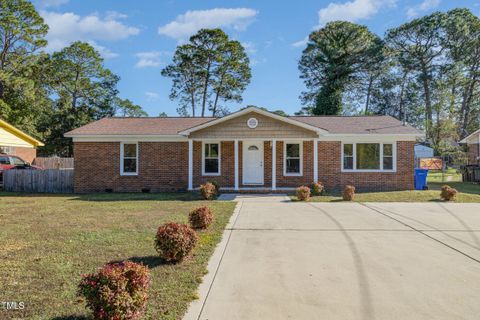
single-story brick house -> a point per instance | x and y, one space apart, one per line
473 145
14 141
250 150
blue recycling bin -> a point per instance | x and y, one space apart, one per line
421 179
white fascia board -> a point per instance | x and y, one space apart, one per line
127 138
257 110
372 137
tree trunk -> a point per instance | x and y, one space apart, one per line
205 90
192 97
369 90
401 107
428 101
465 108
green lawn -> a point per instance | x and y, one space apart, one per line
467 193
47 242
450 175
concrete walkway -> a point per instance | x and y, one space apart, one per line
292 260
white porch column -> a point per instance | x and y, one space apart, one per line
236 163
274 164
190 164
315 160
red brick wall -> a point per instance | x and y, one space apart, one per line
329 170
293 181
163 166
473 153
27 154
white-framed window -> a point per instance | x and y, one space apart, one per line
211 158
369 156
128 158
7 149
293 158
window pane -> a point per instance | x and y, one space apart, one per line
129 150
211 165
293 166
211 150
130 165
293 150
368 156
18 162
347 162
387 163
348 150
4 160
387 150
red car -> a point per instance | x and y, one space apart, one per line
8 162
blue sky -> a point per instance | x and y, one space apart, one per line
138 38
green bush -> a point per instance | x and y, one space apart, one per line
200 218
174 241
116 291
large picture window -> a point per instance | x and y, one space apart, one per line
211 159
129 159
293 159
368 157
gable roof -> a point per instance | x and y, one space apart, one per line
239 113
20 134
471 137
177 126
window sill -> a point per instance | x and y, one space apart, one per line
210 174
128 174
293 174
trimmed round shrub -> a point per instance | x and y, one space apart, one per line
448 193
217 186
200 218
317 188
349 193
116 291
303 193
174 241
208 191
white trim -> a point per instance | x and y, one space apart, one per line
259 111
274 164
127 138
236 163
285 158
122 173
315 160
190 164
381 170
219 158
371 137
257 189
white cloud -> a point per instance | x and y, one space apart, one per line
249 47
188 23
301 43
426 5
352 10
151 95
68 27
52 3
104 52
148 59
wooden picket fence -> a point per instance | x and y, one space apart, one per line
54 163
50 181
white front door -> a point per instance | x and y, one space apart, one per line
252 162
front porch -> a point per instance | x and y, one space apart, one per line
253 165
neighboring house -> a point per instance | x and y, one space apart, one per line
250 150
13 141
473 144
422 151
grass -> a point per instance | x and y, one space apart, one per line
468 192
48 242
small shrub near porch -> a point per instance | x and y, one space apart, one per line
208 191
349 193
317 188
303 193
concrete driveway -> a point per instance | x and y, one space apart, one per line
291 260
